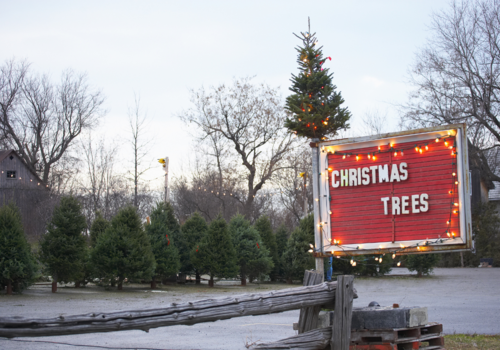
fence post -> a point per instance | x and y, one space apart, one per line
308 318
342 317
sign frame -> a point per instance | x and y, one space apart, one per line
324 247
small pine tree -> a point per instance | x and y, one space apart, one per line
64 247
165 253
422 263
314 104
215 254
99 225
296 258
343 266
172 224
192 232
123 250
252 256
486 233
17 264
281 241
263 226
374 265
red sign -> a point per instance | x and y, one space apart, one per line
397 193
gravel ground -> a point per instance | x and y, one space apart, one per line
463 300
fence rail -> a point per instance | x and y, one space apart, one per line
190 313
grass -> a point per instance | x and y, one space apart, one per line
472 342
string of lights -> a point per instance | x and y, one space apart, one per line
229 192
12 176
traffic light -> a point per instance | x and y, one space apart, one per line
164 163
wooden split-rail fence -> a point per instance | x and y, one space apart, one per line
309 298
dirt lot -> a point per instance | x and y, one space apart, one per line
464 300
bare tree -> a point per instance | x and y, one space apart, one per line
295 193
242 126
457 77
139 144
374 122
99 177
40 119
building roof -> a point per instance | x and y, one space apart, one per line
6 153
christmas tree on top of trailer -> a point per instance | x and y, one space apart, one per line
315 103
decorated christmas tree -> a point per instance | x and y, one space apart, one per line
253 257
216 255
263 226
99 225
165 253
315 103
123 250
192 231
281 241
296 258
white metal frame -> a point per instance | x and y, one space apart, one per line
462 242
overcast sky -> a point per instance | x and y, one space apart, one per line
161 49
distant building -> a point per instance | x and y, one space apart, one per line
481 187
494 192
25 188
494 195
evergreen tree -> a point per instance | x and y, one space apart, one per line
281 241
165 253
314 104
215 254
343 266
252 256
296 258
422 263
99 225
172 224
486 235
192 232
64 247
123 250
17 264
263 226
373 265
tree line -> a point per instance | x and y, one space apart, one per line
127 249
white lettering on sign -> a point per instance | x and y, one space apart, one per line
419 204
353 177
403 171
385 200
344 177
383 173
395 206
366 176
395 173
361 176
335 183
414 204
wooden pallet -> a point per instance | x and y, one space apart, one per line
399 339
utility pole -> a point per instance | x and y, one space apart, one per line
164 162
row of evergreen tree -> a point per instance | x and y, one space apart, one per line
125 248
